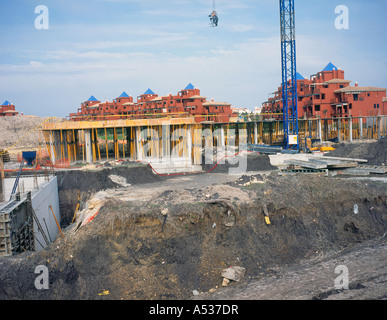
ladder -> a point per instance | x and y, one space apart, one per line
17 180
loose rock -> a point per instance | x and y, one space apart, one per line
234 273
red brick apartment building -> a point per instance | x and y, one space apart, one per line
328 95
187 102
7 109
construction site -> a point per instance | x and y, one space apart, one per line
201 205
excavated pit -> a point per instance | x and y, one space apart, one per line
86 183
131 250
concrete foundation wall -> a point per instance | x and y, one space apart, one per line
41 200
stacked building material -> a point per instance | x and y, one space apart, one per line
5 155
348 166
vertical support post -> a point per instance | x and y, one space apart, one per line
339 129
222 139
97 143
115 142
166 140
361 128
123 143
75 145
2 177
319 130
93 145
88 147
138 143
83 146
106 145
52 148
189 144
69 155
197 144
379 126
350 129
61 145
255 133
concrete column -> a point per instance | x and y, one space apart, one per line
208 147
2 177
88 146
350 129
138 143
310 123
208 137
166 140
197 145
255 133
189 144
52 151
222 139
361 128
379 125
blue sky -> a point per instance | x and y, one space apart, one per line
105 47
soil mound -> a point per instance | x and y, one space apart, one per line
375 153
244 163
72 182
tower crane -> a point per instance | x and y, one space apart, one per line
289 80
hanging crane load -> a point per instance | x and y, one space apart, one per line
214 17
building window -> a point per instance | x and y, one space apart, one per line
317 108
355 97
341 86
323 96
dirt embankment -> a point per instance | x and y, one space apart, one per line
244 162
86 183
128 251
20 130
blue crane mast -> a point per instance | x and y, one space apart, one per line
289 80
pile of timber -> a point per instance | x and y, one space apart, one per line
348 166
4 155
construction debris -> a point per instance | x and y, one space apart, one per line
347 166
4 155
234 273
